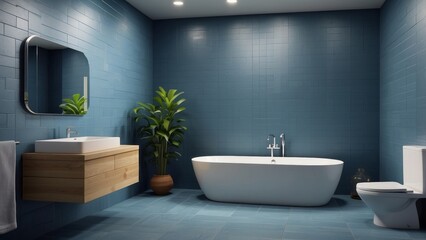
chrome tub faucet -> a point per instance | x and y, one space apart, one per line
272 146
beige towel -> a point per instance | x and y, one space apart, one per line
7 186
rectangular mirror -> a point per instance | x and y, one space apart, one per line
56 78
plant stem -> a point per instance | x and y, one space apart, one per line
165 159
162 157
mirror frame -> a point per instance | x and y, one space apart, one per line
26 77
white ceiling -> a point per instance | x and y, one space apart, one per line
164 9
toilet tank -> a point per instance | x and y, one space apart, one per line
414 168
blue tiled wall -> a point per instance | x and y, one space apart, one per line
117 41
313 76
402 82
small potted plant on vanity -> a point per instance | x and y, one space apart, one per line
163 133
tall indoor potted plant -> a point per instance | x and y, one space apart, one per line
163 133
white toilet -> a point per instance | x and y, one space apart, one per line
393 204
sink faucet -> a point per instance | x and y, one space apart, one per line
69 131
272 146
282 136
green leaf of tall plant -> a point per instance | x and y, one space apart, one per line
162 131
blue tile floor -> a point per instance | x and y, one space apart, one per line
187 214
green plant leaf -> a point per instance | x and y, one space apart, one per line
173 98
166 124
159 100
164 135
74 105
180 101
171 93
181 109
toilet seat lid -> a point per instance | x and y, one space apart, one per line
391 187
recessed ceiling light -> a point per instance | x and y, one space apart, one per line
232 1
178 3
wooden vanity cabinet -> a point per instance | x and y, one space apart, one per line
79 178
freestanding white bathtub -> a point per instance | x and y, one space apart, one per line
293 181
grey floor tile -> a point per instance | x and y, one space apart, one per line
188 223
380 238
252 230
187 214
218 212
318 229
74 234
246 208
131 235
98 227
184 232
417 234
317 236
369 230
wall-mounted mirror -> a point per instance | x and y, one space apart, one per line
56 78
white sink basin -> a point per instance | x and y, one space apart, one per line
76 144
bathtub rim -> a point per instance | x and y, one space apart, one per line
295 161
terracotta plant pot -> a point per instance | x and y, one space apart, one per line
161 184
